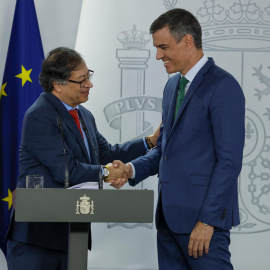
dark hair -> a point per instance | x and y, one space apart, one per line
57 67
180 23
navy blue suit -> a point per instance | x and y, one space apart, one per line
199 156
41 153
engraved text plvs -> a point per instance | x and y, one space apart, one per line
137 104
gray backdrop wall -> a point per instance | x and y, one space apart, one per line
125 100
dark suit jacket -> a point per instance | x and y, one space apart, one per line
199 156
41 153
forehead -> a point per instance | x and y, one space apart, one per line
163 37
80 72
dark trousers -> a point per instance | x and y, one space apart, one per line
21 256
173 251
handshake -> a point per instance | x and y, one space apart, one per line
119 173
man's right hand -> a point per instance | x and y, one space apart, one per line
119 173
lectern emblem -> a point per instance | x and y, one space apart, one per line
84 206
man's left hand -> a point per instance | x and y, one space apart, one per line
154 137
119 173
200 239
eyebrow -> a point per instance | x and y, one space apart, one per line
161 45
83 76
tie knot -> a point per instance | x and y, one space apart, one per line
183 82
74 114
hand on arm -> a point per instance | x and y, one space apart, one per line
154 137
200 239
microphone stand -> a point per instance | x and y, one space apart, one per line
60 125
100 178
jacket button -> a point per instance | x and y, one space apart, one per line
224 214
165 158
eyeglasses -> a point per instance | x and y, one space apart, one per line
83 82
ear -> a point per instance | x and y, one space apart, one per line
188 40
57 87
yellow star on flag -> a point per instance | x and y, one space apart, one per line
8 199
3 93
25 75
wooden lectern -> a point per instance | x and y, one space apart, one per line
79 207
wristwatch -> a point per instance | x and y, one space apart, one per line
106 172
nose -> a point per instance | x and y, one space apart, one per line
159 54
88 83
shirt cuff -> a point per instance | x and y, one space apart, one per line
133 171
145 144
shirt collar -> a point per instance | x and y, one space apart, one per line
68 107
190 75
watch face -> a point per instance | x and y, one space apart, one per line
105 172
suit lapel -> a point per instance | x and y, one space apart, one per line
68 120
74 129
191 90
92 143
171 104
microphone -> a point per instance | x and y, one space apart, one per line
100 178
60 125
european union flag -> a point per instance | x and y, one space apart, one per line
20 88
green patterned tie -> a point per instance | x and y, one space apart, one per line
181 95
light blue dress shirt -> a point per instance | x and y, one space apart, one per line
69 108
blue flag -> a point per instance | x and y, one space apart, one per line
20 88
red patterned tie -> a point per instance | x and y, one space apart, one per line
75 116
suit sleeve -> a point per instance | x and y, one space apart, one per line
227 112
148 164
42 151
124 152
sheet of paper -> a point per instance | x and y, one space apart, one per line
86 185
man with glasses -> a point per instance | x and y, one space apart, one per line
56 115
